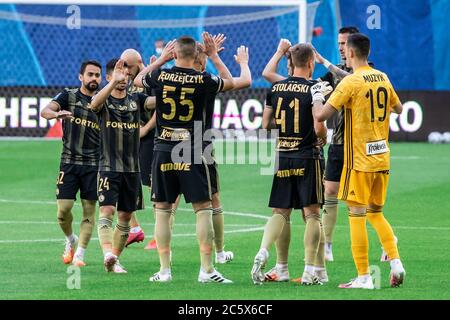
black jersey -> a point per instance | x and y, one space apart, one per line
81 133
337 120
181 97
208 118
291 101
119 133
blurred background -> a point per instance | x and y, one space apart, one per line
44 42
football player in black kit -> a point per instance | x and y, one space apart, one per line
178 167
297 183
79 158
119 182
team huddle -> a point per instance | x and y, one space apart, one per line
143 128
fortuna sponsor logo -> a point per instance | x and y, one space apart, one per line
85 123
377 147
122 125
174 134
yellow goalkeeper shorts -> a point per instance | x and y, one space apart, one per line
363 188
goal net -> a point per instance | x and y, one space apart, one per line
44 42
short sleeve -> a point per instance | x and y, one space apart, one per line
150 79
269 99
213 83
393 97
62 99
341 95
328 77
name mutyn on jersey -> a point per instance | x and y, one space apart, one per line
378 77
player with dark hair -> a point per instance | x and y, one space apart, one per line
118 178
368 98
335 157
79 158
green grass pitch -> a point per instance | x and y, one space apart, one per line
31 242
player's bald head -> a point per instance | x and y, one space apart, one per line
131 57
134 61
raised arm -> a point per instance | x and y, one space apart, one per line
211 52
337 72
119 74
321 112
270 71
165 57
245 78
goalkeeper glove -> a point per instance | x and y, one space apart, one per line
320 90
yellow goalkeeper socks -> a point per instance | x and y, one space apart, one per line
385 233
360 242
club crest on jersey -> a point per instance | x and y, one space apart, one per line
133 106
376 147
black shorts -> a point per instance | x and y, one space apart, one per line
171 179
119 189
214 177
74 177
145 161
335 162
298 183
140 201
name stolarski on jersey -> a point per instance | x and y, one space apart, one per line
180 77
291 87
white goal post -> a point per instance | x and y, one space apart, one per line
301 4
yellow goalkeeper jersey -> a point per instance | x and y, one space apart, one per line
367 96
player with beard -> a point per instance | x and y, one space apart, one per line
79 158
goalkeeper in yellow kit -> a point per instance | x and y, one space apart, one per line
368 98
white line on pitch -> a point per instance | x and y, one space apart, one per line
143 223
243 214
231 213
147 237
